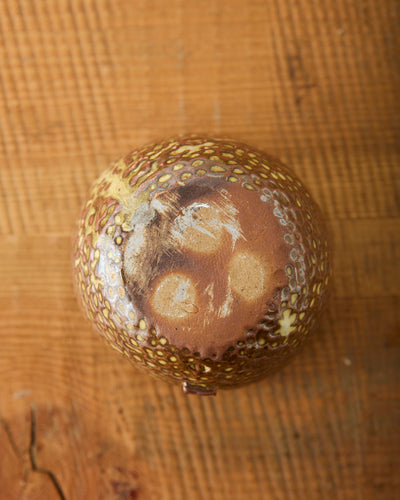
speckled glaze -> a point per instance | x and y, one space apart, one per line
202 260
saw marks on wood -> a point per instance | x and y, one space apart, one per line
314 83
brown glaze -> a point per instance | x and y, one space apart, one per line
202 260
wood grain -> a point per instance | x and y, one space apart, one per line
313 83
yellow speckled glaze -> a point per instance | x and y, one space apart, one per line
241 221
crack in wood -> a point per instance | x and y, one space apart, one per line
32 456
10 437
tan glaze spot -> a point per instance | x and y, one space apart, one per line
199 228
247 276
175 296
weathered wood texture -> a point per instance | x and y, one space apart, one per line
314 83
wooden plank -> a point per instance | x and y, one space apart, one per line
321 427
315 84
313 434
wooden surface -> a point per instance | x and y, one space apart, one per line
314 83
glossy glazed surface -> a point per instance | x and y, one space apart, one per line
202 260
